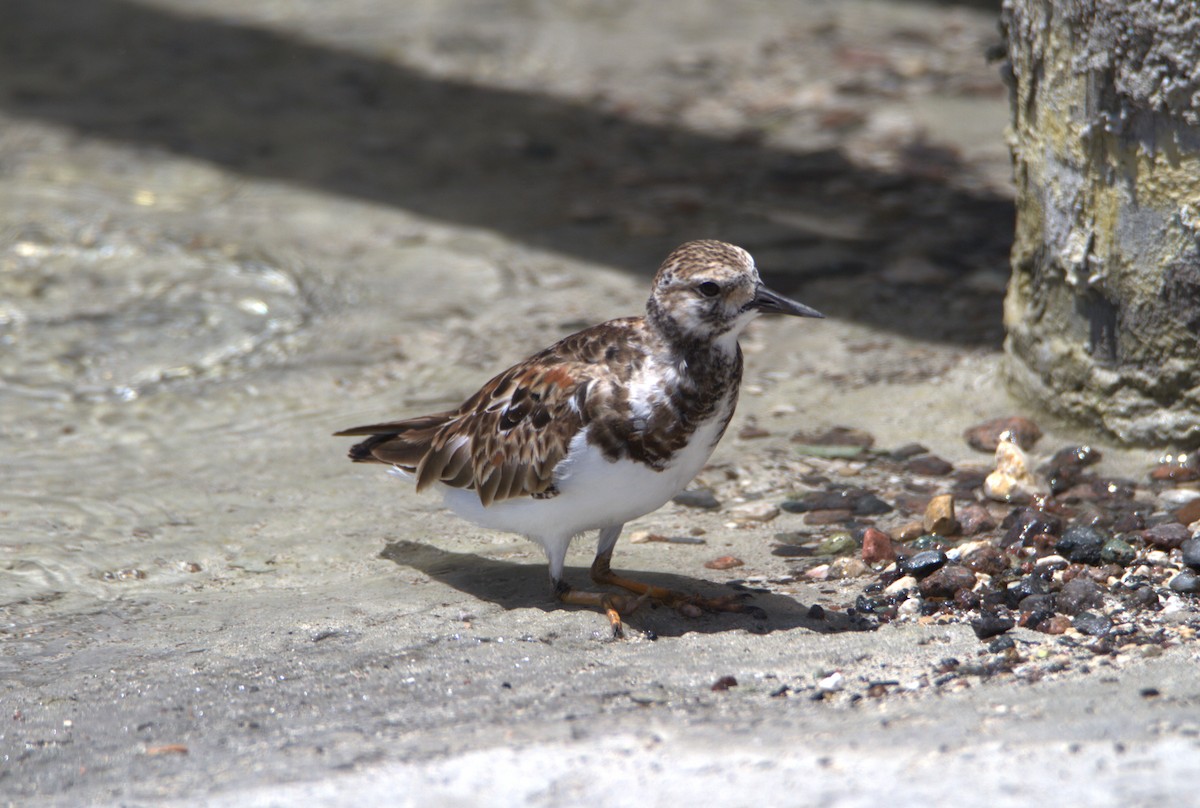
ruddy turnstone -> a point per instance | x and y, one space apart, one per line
602 427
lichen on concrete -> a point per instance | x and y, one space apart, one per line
1101 312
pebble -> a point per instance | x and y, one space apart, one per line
1078 595
832 683
974 519
724 563
989 625
1191 552
923 563
1188 512
855 500
1092 624
1117 551
1178 497
1017 591
929 465
1025 522
836 436
1081 544
1011 481
947 581
939 516
1053 625
697 498
754 512
830 517
910 608
847 567
877 547
986 436
1186 582
900 586
1167 536
985 558
817 573
836 545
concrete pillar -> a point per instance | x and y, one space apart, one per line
1103 309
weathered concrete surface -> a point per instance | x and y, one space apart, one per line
210 263
1102 312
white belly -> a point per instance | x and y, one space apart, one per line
593 492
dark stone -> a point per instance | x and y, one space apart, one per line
1079 594
975 518
947 581
1065 469
1037 603
908 450
1001 645
1092 624
989 625
697 498
1024 522
987 559
1117 551
985 437
923 563
1029 585
929 465
1144 597
1187 513
1128 522
1167 536
852 500
836 436
1186 582
1191 552
1081 544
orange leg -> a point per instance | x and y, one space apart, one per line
688 605
612 605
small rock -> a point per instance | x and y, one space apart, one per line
855 500
986 558
1012 480
832 683
910 531
1144 597
910 608
974 519
723 684
1092 624
1017 591
1117 551
901 586
986 436
989 625
877 547
1065 469
1079 594
761 511
697 498
1022 523
1186 582
817 573
1191 552
724 563
837 545
847 567
947 581
923 563
1081 544
1167 536
908 450
929 465
939 516
836 436
1188 512
1057 624
1177 471
831 517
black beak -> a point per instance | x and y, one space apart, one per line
769 302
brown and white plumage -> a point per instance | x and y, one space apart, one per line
605 425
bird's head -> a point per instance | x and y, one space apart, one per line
708 291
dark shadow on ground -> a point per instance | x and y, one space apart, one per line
567 176
525 586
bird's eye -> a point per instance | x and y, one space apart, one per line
709 289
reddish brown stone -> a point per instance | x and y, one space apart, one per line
828 517
1186 514
877 547
724 563
975 518
986 559
986 436
929 465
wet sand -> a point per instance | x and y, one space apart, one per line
240 230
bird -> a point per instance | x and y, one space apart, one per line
602 427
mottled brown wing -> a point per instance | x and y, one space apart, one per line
506 439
